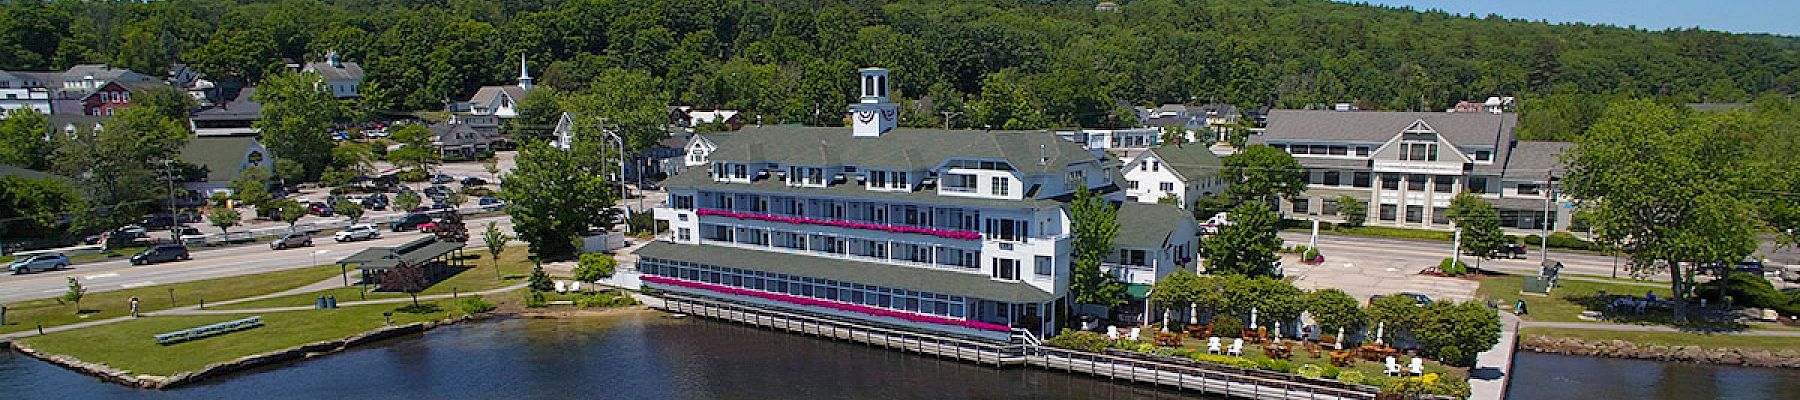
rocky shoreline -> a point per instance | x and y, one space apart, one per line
305 351
1789 359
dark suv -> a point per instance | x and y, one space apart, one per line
160 253
410 222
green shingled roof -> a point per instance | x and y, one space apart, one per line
901 148
1191 162
1148 226
869 273
223 156
417 251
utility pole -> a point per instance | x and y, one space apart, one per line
947 116
1549 194
1456 249
169 173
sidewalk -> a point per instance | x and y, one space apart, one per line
193 311
1493 368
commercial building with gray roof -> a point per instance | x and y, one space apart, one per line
965 227
1406 166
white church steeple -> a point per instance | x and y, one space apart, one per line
524 75
872 114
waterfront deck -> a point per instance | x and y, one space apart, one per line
1024 352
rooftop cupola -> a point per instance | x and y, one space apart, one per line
873 114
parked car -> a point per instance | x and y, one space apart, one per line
292 240
490 204
157 222
649 186
1511 251
320 209
40 262
376 202
161 253
357 232
442 178
190 235
1418 299
410 222
473 181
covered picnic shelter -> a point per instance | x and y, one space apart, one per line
428 251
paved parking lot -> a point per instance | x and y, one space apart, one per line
1363 269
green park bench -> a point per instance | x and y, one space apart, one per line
208 331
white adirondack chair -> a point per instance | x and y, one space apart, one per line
560 288
1237 347
1134 334
1393 368
1112 332
1212 345
1417 367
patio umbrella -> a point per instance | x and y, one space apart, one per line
1339 344
1252 317
1380 329
1193 314
1277 330
1165 324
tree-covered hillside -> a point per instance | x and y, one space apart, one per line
1019 64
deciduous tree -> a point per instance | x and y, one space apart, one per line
1480 225
552 197
298 111
224 218
23 132
1355 211
1096 226
1263 173
1667 187
1247 245
496 241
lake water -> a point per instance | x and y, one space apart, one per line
1551 377
642 356
625 357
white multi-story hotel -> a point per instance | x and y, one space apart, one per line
1407 166
966 233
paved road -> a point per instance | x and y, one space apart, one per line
1431 251
118 273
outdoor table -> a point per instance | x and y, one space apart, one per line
1340 358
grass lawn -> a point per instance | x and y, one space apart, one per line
1568 299
131 345
26 315
1673 339
479 275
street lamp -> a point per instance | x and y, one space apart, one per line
1544 241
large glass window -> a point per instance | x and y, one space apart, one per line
1006 269
1044 266
1301 205
1390 181
1415 182
1361 179
1444 183
1388 212
1415 214
1001 185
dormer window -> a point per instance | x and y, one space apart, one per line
1484 155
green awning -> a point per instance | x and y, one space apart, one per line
1137 291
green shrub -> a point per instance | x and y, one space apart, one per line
1563 240
420 308
1080 340
411 175
610 298
1227 326
1310 254
1452 267
1277 365
535 299
1353 377
1310 371
594 267
1221 359
475 305
1332 371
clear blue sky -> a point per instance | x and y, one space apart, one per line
1743 16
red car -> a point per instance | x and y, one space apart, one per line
320 209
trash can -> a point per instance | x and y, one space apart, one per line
319 303
331 302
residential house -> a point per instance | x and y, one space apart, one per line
184 78
234 117
1407 166
956 233
1207 123
1184 173
1154 240
342 77
564 134
689 118
18 93
223 158
493 105
457 139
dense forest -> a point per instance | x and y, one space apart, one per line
1010 64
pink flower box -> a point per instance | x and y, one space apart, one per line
841 306
943 233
